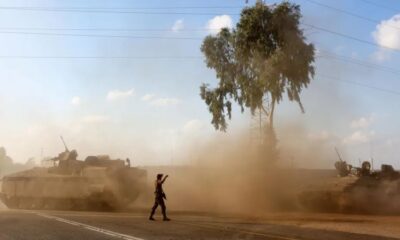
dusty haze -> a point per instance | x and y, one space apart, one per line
233 176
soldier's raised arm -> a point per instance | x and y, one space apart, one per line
165 178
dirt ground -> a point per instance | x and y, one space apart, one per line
388 226
69 225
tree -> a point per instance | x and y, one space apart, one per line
265 56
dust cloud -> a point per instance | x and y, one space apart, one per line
234 176
367 195
237 176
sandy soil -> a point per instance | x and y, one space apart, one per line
40 225
388 226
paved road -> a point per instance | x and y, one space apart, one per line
43 225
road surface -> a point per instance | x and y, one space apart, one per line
43 225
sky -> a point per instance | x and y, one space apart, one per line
122 78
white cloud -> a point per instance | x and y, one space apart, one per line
148 97
214 25
95 119
359 137
76 101
118 94
163 102
321 136
160 102
178 25
381 55
193 126
387 34
363 122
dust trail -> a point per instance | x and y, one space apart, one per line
235 176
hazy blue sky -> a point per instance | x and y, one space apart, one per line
147 106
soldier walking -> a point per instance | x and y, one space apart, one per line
159 198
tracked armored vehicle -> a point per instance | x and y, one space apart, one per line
97 183
355 190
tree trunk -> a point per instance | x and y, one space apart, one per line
269 152
271 114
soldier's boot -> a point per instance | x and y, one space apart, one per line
153 210
164 212
151 216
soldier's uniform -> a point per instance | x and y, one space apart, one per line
159 200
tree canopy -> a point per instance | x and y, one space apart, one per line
265 56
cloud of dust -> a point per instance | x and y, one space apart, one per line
233 175
372 196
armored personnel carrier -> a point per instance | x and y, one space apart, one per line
97 183
355 190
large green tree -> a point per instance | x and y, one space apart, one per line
257 62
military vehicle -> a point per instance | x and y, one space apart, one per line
342 167
97 183
355 190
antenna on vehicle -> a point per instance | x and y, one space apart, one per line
337 152
65 145
372 163
371 153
